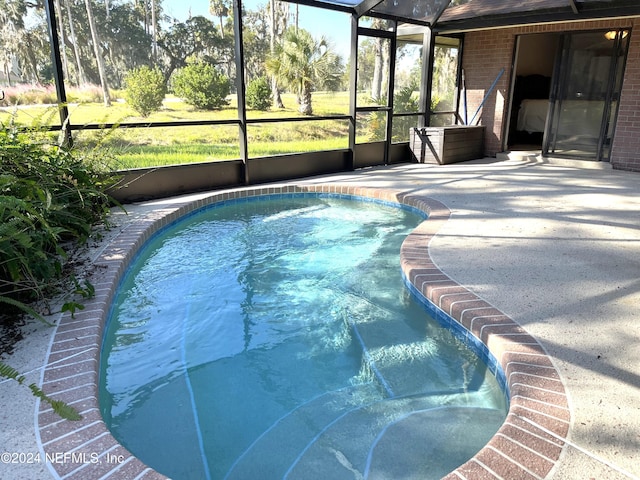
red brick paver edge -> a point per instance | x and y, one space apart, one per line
528 444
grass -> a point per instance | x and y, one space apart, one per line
146 147
159 155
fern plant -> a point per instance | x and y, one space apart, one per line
65 411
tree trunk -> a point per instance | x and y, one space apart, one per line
7 71
376 82
378 65
384 82
63 43
99 59
80 75
305 101
154 25
275 91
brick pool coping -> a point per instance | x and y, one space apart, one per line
527 446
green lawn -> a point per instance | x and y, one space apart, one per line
144 147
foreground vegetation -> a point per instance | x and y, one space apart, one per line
50 198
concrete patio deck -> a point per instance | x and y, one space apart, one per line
556 247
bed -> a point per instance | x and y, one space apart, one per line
529 112
578 118
532 115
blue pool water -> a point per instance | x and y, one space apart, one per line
275 338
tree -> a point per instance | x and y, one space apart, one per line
303 64
154 26
256 46
12 28
146 89
127 46
381 65
65 61
96 46
31 47
220 9
277 26
197 37
80 79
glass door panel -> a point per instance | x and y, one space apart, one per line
373 87
407 109
585 86
444 83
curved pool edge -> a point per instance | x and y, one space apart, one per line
532 438
528 444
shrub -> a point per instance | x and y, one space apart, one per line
49 199
201 86
49 195
27 94
87 94
145 89
404 101
258 95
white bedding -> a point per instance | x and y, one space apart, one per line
579 118
532 115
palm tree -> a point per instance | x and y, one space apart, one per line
303 64
220 9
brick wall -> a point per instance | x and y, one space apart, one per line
486 52
625 154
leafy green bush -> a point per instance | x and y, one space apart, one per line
145 89
258 95
201 86
49 195
49 198
404 101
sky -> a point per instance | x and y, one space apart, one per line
335 26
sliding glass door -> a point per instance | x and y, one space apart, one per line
585 92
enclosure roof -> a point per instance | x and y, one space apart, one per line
468 14
495 13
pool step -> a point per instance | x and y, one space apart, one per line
409 362
277 448
334 437
422 444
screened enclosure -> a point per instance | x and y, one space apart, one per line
264 90
167 83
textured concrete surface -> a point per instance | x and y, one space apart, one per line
554 246
557 248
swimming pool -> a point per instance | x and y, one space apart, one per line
315 360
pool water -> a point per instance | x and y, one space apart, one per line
275 338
